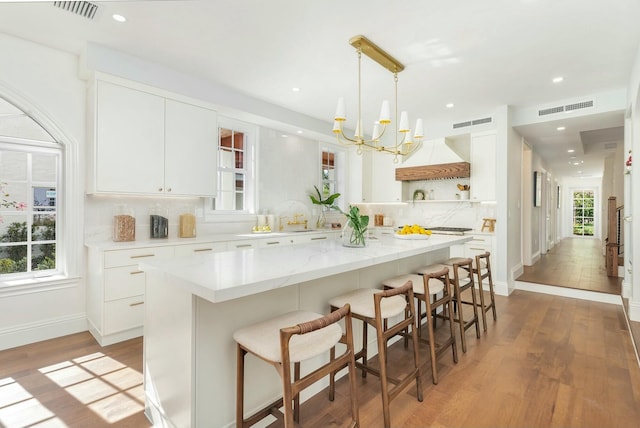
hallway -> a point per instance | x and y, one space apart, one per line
573 263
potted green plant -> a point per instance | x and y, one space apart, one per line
325 204
354 231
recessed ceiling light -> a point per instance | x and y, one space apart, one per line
295 89
118 17
579 172
558 79
561 128
284 135
449 105
299 132
570 151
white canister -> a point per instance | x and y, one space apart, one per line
262 220
464 194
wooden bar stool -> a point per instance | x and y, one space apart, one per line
289 339
482 269
460 275
426 288
376 307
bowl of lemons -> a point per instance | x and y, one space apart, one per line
412 232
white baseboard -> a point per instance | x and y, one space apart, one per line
626 289
501 288
634 311
36 332
593 296
535 258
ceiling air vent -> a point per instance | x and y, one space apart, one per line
81 8
472 122
565 108
578 106
551 110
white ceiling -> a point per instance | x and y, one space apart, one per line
478 55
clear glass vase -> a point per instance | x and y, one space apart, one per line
321 220
352 237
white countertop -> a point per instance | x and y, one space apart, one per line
218 277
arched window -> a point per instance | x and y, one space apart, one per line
30 174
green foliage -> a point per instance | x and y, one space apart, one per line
43 255
7 266
326 202
359 224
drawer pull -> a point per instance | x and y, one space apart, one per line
200 250
273 242
478 249
136 304
142 256
243 245
136 272
318 238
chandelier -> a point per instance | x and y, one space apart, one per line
400 147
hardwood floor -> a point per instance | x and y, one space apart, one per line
547 361
72 382
573 263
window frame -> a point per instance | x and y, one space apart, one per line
340 162
70 252
38 147
251 134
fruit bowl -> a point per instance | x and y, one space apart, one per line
414 236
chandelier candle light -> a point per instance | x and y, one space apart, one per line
403 147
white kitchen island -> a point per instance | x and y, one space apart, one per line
195 303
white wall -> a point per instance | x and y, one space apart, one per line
632 282
44 82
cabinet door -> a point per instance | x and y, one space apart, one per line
191 144
129 152
483 167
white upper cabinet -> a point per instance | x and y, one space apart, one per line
191 144
483 167
146 143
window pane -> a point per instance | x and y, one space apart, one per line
224 201
239 182
23 127
43 256
44 227
239 160
226 158
13 228
44 197
13 166
44 167
227 181
13 259
238 140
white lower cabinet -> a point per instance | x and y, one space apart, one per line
115 298
478 245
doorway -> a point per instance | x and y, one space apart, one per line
583 206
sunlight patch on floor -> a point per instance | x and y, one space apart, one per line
109 388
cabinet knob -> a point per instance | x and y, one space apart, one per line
159 189
169 189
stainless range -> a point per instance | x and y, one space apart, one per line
449 230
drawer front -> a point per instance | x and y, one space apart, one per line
202 248
130 257
242 245
274 242
123 314
122 282
311 238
